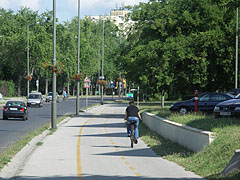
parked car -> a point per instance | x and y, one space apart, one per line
206 102
234 92
35 99
228 108
49 97
15 109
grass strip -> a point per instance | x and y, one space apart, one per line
210 162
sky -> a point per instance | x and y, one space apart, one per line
67 9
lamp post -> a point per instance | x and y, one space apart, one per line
102 60
236 62
54 79
78 56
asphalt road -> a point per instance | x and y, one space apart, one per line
13 130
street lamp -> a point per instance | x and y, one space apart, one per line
78 56
102 60
54 78
28 55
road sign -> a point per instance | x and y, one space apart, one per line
112 85
101 77
86 85
86 80
130 95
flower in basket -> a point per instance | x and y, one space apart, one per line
58 68
119 79
78 77
28 77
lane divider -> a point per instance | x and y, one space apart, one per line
79 165
123 158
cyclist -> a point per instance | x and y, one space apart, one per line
132 113
64 94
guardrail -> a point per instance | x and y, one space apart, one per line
191 138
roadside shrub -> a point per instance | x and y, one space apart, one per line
7 88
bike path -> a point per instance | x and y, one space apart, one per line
94 146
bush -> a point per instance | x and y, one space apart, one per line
7 88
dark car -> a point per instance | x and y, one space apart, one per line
228 108
234 92
15 109
206 102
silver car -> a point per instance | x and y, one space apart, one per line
49 97
35 99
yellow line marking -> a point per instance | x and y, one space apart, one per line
126 162
132 168
117 149
138 174
113 142
79 165
123 158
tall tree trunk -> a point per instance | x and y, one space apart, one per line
162 100
19 84
46 86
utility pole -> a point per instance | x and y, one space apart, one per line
78 56
54 104
27 59
236 66
99 62
102 60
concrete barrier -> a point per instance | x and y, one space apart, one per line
191 138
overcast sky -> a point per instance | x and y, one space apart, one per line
67 9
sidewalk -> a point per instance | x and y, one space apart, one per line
92 146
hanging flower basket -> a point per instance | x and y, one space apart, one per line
28 77
119 79
102 82
58 68
78 77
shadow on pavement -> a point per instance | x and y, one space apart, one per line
133 153
102 116
106 135
113 146
109 125
98 177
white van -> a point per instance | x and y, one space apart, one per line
35 99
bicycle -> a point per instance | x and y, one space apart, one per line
132 125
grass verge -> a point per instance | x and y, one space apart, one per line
208 163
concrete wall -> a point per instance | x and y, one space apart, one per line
191 138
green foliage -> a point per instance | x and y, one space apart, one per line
7 88
179 46
13 49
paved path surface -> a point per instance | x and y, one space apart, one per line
94 146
